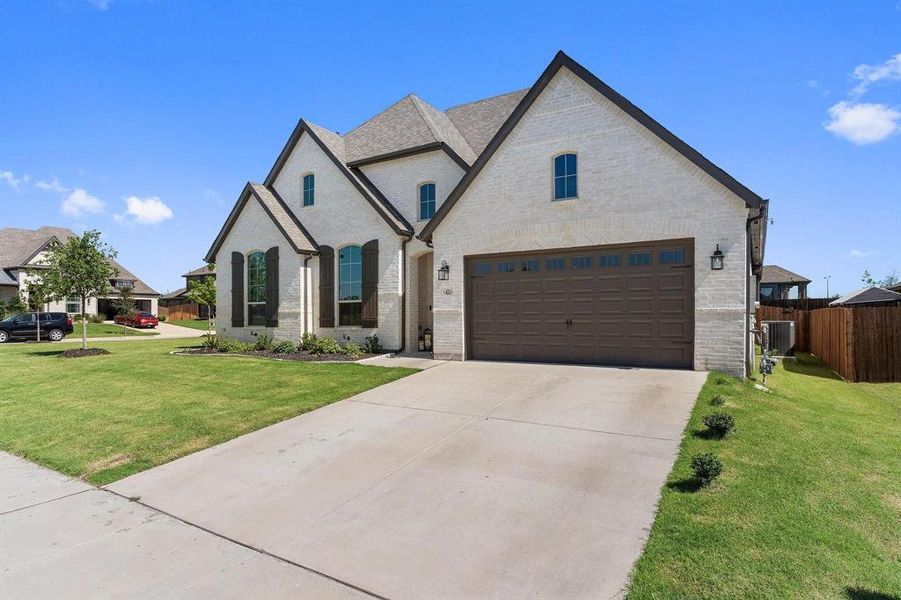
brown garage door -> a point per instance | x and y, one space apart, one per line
616 305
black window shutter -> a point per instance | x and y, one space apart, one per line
326 286
272 287
371 284
237 289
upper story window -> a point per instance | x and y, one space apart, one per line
309 189
256 288
565 177
426 201
350 285
123 284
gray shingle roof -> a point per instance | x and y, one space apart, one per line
776 274
174 295
283 217
204 270
7 279
867 295
18 246
478 121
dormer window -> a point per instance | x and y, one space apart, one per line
426 201
309 189
123 284
565 177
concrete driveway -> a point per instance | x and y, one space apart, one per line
477 480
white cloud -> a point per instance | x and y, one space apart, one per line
859 254
100 4
862 123
13 181
867 75
147 211
80 202
51 186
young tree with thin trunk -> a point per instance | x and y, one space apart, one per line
38 297
125 304
79 267
204 292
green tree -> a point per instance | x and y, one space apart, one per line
125 303
15 305
38 294
79 267
204 292
888 281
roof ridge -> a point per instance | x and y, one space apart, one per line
525 89
416 100
387 108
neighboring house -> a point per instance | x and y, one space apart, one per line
868 296
557 223
22 249
178 300
895 288
777 283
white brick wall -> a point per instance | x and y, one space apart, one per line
254 230
399 180
632 187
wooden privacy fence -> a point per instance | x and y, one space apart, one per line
800 317
861 344
174 312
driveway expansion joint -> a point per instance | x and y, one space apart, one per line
9 512
248 546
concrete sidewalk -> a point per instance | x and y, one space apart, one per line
62 538
166 331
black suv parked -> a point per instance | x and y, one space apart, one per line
54 326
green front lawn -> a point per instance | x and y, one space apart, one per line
809 502
193 323
106 330
107 417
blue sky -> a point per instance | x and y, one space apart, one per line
145 119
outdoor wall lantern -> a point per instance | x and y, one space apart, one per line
443 271
716 259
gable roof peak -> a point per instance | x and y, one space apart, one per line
561 60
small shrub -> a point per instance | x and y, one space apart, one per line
232 346
284 347
161 318
706 467
371 345
308 341
722 381
263 343
96 318
353 350
211 341
325 346
720 424
717 400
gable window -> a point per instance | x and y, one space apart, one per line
256 288
565 177
426 201
309 189
350 285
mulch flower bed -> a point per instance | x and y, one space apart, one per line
302 355
79 352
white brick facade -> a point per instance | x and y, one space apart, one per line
632 187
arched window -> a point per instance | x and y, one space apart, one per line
309 189
256 288
426 201
350 285
565 177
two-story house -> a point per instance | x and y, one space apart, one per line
556 223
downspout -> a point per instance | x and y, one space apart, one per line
749 270
403 295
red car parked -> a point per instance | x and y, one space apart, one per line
137 320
